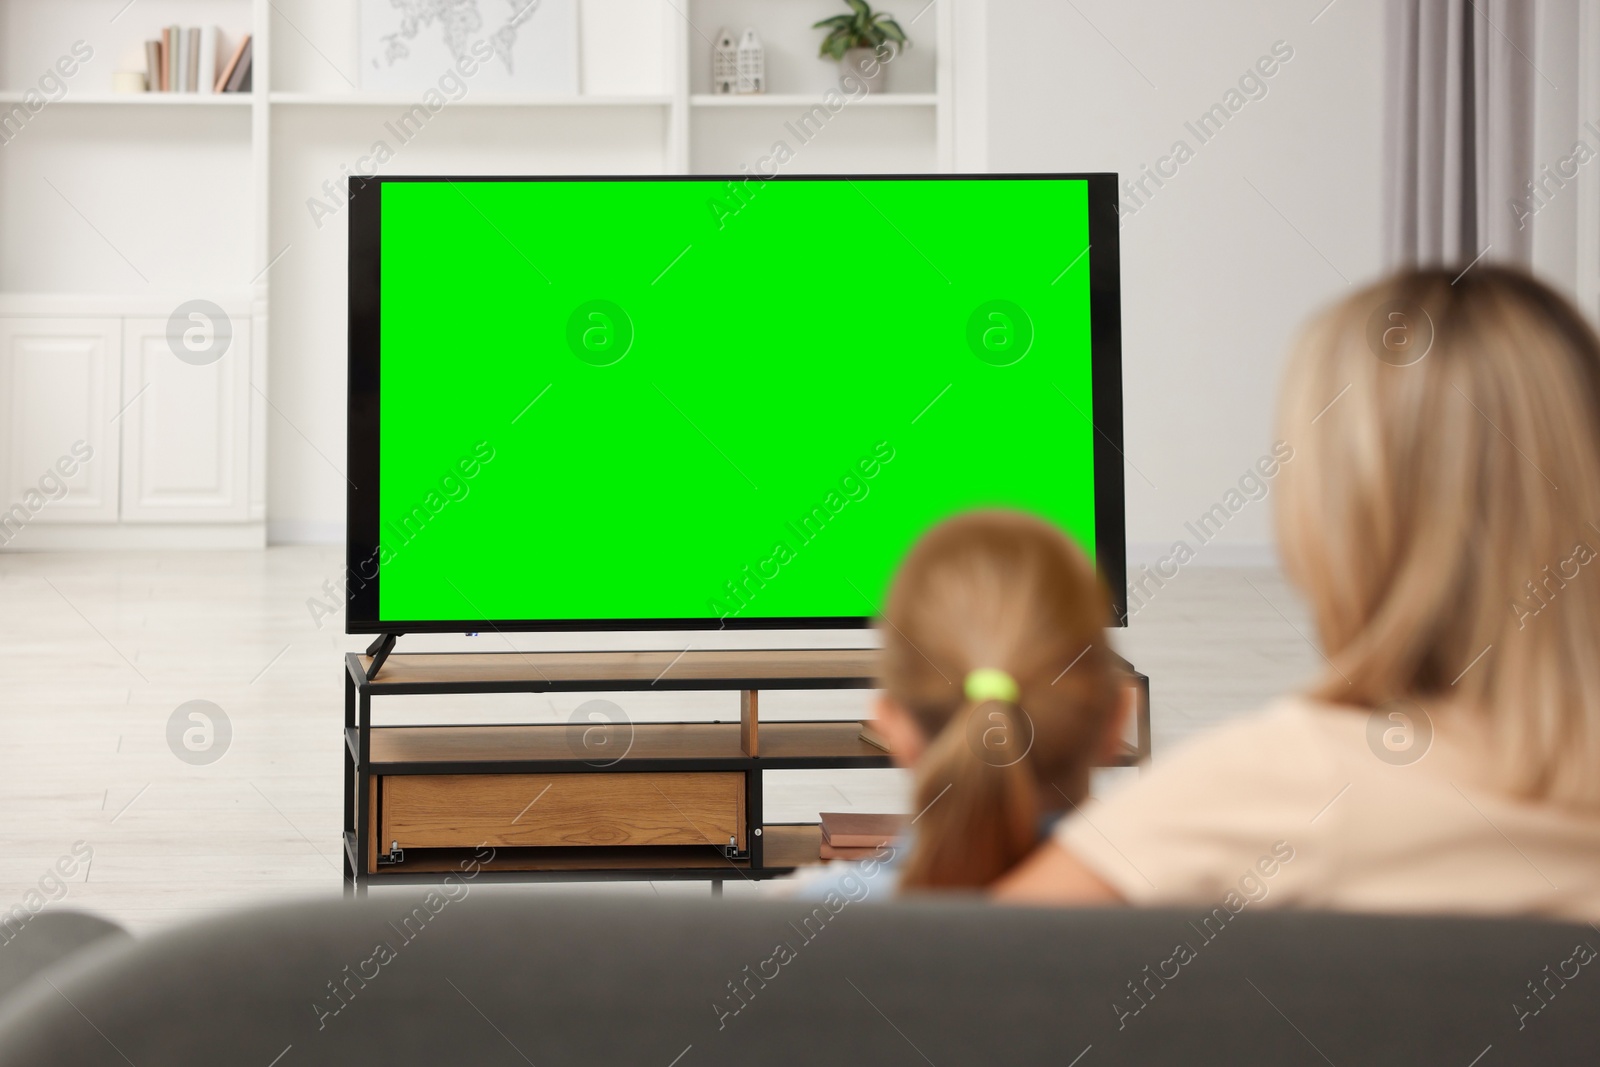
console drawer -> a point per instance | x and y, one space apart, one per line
513 810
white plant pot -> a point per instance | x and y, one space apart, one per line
862 65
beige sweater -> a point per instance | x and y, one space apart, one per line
1293 808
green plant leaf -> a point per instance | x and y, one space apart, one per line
891 29
860 28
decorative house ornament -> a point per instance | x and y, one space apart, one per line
752 64
725 64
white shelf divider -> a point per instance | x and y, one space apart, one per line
890 99
405 100
261 252
140 99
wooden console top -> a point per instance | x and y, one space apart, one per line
695 669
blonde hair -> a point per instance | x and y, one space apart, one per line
999 591
1441 509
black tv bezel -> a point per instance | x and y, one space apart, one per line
362 443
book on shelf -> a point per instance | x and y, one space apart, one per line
239 79
208 61
859 829
180 69
185 60
191 60
226 77
152 66
175 60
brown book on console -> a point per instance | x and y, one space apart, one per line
858 830
831 852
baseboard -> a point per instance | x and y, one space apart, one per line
111 537
1243 554
304 532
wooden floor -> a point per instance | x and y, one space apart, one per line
98 651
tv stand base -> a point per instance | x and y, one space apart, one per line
379 651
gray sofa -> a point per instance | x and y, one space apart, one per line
31 943
404 978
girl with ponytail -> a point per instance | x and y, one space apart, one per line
999 693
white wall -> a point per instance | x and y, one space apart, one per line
1273 217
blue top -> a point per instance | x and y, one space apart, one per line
855 880
873 878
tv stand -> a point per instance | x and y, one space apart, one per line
379 651
672 801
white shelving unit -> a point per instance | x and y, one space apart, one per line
123 207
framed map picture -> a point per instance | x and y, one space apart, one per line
508 46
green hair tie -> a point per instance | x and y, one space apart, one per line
991 683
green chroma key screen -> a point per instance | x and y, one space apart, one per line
707 403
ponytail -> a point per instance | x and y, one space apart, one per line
977 799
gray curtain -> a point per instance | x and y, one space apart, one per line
1458 129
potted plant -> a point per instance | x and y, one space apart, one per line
856 39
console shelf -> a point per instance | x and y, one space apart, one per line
658 801
641 746
580 672
789 846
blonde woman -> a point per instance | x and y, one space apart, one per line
1442 519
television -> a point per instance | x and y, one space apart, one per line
681 402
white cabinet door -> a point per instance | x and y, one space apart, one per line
185 434
59 389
